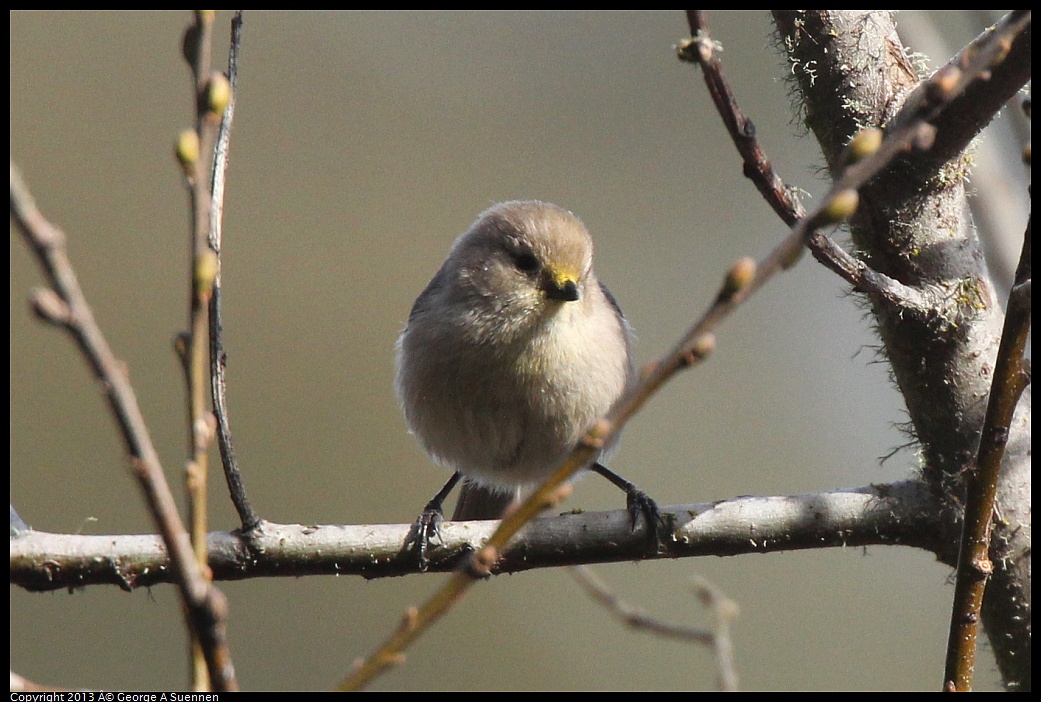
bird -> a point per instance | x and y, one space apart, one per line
510 354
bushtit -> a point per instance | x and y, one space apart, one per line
510 354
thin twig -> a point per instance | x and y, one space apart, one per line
723 610
630 615
66 306
202 271
974 563
704 51
218 358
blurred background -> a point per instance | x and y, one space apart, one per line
363 144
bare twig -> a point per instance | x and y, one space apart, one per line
201 272
633 616
66 306
218 358
974 559
211 93
723 610
703 50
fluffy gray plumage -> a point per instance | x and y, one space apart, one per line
511 352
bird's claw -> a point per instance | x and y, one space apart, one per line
638 503
426 528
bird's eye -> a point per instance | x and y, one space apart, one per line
526 262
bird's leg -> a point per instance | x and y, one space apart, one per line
636 502
428 524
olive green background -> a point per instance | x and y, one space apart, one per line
363 144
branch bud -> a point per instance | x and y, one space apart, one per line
49 307
218 94
864 143
841 207
738 277
187 148
204 274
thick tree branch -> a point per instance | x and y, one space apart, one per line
905 513
851 73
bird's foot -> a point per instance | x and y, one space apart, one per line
428 525
638 504
426 528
